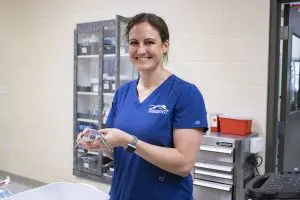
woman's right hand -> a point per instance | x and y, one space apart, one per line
95 145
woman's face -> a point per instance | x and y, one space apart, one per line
146 49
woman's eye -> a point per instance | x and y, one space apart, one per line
149 43
133 43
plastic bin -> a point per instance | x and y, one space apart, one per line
81 88
88 49
109 49
82 125
90 162
235 125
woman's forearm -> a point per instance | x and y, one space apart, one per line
169 159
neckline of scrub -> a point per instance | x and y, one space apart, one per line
137 101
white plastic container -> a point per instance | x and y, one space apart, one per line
62 191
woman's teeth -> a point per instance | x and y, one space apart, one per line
143 58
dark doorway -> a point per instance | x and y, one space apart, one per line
283 110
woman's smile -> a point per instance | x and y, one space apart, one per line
143 58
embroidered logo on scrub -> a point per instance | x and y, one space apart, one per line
158 109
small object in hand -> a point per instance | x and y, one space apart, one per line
93 135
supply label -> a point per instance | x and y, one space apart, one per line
214 120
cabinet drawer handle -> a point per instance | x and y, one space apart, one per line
216 149
214 174
217 186
214 166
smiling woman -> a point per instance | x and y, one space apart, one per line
155 123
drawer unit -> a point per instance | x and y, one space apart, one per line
219 172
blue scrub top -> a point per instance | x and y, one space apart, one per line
174 104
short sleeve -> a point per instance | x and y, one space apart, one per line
112 113
190 111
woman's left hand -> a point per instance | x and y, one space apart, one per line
116 137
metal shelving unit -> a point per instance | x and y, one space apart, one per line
101 65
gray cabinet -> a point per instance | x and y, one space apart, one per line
101 65
222 168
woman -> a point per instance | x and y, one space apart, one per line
156 122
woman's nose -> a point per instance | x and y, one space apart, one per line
141 49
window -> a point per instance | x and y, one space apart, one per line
295 71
